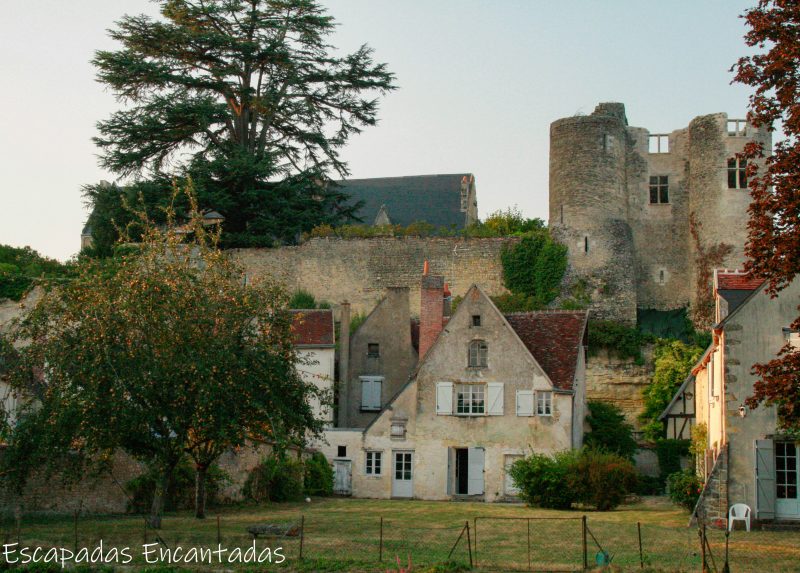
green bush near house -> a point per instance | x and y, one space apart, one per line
620 340
609 430
277 478
318 476
181 491
684 488
669 454
587 477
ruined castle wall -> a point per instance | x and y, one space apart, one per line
359 270
620 381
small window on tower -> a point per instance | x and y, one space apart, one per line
737 173
373 350
476 320
586 244
661 276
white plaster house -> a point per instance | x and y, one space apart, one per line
489 389
748 459
314 340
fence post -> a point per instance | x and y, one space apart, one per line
75 528
584 544
302 534
475 527
641 555
469 545
529 543
380 544
219 533
702 533
144 536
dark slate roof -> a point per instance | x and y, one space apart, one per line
555 339
435 199
313 327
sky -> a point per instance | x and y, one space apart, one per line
479 81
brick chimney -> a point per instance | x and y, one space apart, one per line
431 309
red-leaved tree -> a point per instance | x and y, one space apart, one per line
773 246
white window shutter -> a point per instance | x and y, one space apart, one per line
765 479
475 462
376 394
495 398
366 393
444 398
524 402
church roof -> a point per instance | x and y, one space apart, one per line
435 199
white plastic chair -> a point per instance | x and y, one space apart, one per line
739 512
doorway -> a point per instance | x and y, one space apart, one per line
467 467
787 480
402 474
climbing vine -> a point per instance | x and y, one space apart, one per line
534 267
706 260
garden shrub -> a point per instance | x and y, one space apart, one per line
277 478
534 266
620 340
181 489
318 476
609 430
542 479
669 454
601 479
589 477
649 485
684 488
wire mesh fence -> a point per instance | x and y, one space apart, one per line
374 542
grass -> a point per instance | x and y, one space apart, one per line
345 535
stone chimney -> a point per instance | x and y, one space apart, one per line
431 309
344 363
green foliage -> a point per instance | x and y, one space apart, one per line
535 266
684 488
318 476
587 477
277 478
356 320
609 430
510 222
515 302
620 340
20 267
649 485
673 361
669 454
302 299
698 445
181 490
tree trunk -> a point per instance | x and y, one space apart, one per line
159 499
200 491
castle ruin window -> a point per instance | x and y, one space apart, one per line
659 189
661 276
586 244
736 127
737 173
658 143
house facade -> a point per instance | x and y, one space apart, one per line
488 389
314 341
749 458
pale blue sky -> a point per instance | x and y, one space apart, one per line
480 82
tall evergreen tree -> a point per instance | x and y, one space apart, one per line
248 98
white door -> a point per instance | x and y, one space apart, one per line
475 474
342 477
511 490
787 474
402 475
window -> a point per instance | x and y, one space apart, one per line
544 403
371 392
791 337
476 320
470 399
586 244
661 276
341 451
659 189
786 470
478 354
398 430
710 372
736 127
737 173
373 465
658 143
373 350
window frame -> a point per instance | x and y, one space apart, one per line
481 354
659 189
370 459
737 172
544 403
470 399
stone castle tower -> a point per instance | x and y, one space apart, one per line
622 198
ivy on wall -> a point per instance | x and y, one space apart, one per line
706 260
534 267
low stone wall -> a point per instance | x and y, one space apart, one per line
621 381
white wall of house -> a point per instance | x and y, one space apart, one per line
317 367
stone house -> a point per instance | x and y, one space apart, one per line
748 459
488 389
314 340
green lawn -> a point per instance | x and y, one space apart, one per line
345 534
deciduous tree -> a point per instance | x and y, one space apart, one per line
773 245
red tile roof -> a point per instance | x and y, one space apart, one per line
737 280
313 327
555 339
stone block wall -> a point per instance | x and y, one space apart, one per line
359 270
611 379
712 507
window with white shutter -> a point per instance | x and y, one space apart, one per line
524 402
544 403
371 392
444 398
495 398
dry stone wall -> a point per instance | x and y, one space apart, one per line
359 270
611 379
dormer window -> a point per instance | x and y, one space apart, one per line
478 354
